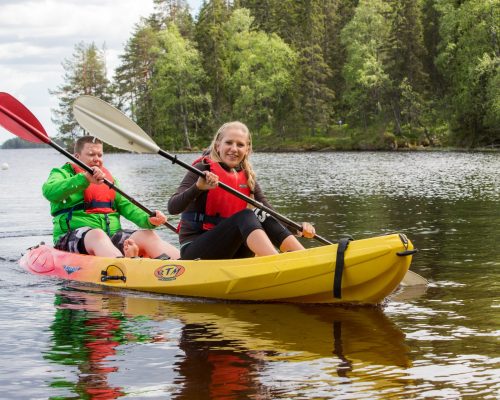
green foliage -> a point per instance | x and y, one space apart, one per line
173 12
430 27
260 70
404 53
176 88
489 70
469 60
211 40
315 97
134 85
133 75
85 73
367 82
404 45
17 143
399 73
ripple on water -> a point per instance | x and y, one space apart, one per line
464 374
422 175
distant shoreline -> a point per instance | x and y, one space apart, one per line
319 150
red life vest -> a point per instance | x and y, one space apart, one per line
220 204
98 199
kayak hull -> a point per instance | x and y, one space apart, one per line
372 270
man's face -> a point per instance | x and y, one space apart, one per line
91 154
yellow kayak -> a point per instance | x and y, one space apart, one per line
370 269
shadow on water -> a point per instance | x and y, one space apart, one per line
225 348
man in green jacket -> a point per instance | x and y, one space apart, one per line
87 213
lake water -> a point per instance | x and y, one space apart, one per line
61 340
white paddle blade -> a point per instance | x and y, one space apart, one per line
413 279
109 124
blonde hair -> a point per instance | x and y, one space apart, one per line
245 163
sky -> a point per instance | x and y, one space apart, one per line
36 36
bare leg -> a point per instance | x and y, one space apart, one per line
130 248
151 245
291 244
97 243
260 244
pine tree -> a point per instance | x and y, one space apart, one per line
211 39
133 76
430 23
367 81
315 97
85 73
469 59
282 17
404 54
173 12
337 14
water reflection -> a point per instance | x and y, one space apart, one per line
216 368
84 339
224 350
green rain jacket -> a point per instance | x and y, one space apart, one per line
64 189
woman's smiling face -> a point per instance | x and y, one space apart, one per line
233 146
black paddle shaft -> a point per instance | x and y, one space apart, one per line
240 195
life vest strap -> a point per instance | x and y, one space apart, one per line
201 218
86 206
99 204
76 207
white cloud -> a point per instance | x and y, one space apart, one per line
37 35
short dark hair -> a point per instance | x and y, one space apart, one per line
80 142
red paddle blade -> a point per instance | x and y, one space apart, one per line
20 121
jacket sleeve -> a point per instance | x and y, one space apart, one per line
186 192
61 184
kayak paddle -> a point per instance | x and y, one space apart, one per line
20 121
114 127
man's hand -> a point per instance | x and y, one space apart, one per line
97 176
158 219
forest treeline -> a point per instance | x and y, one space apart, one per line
336 74
18 143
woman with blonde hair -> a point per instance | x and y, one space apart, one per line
216 224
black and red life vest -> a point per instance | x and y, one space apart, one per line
98 199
